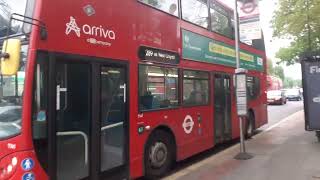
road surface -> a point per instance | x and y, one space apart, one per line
278 112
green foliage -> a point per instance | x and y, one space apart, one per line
279 72
289 55
299 21
270 68
291 83
275 70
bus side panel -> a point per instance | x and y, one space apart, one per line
106 33
156 29
136 140
259 104
192 128
262 102
234 115
201 136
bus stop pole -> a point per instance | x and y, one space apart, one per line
242 155
242 143
236 32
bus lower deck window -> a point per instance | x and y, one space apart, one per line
158 87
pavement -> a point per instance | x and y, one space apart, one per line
284 151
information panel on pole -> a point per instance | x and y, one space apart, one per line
241 92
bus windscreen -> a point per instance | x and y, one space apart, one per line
11 87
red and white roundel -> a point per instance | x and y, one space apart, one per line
188 124
248 7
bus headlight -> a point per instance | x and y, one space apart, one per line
8 167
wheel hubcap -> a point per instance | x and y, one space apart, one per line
158 154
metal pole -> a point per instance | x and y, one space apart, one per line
242 155
242 145
236 29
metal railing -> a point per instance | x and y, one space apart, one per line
85 137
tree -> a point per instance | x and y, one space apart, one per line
291 83
278 71
299 21
288 82
270 68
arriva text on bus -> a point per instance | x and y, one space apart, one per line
97 31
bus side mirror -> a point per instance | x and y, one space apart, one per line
10 57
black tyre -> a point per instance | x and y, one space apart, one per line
250 125
159 154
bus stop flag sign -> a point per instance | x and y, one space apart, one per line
311 92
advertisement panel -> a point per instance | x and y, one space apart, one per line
311 93
200 48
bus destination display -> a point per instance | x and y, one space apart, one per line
158 55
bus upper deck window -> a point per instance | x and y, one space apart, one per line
195 11
169 6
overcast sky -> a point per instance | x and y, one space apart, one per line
17 6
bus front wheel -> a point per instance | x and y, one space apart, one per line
159 154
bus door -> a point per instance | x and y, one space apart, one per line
222 108
90 122
113 123
73 120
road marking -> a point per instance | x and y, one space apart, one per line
282 121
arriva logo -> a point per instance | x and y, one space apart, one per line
72 26
95 31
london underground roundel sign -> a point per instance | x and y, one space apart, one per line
188 124
248 7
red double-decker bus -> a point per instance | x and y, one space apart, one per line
274 83
119 90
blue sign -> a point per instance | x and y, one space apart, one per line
27 164
28 176
41 116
